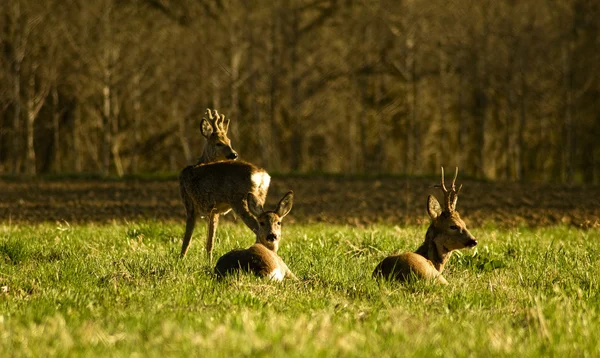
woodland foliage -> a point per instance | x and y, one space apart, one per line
504 89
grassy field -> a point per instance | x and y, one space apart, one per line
120 290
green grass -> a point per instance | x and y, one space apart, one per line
120 290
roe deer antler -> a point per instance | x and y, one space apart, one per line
450 196
217 121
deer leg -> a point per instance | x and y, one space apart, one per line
213 222
190 222
189 229
240 207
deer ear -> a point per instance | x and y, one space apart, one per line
254 206
206 128
433 207
285 205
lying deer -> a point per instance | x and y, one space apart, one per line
214 185
446 233
261 258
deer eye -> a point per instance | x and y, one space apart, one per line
262 223
454 227
279 223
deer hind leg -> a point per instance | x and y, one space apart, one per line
190 222
213 222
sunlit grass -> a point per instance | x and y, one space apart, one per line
120 289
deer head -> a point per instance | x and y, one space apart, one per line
218 146
450 231
269 222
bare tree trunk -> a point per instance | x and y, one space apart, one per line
35 101
183 130
106 125
508 137
16 125
107 138
352 135
30 166
568 75
275 134
117 138
494 159
443 152
410 139
481 114
115 149
481 93
416 127
461 128
519 144
76 135
16 56
56 131
298 142
236 58
261 126
137 119
216 91
595 151
510 123
364 130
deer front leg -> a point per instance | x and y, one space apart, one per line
240 207
213 222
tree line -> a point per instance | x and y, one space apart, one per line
504 89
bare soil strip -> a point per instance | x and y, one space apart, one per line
339 200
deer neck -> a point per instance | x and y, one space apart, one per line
438 255
205 158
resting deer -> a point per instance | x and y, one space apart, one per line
261 258
446 233
214 186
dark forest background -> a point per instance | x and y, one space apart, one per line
505 89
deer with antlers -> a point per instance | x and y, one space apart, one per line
215 185
446 233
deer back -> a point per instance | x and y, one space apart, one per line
407 266
223 182
256 259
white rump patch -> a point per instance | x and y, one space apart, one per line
261 179
277 274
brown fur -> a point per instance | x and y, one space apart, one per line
216 188
215 185
260 258
446 233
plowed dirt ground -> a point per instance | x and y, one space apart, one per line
331 199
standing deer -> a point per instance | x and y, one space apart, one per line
261 258
215 186
446 233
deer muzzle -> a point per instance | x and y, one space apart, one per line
471 243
